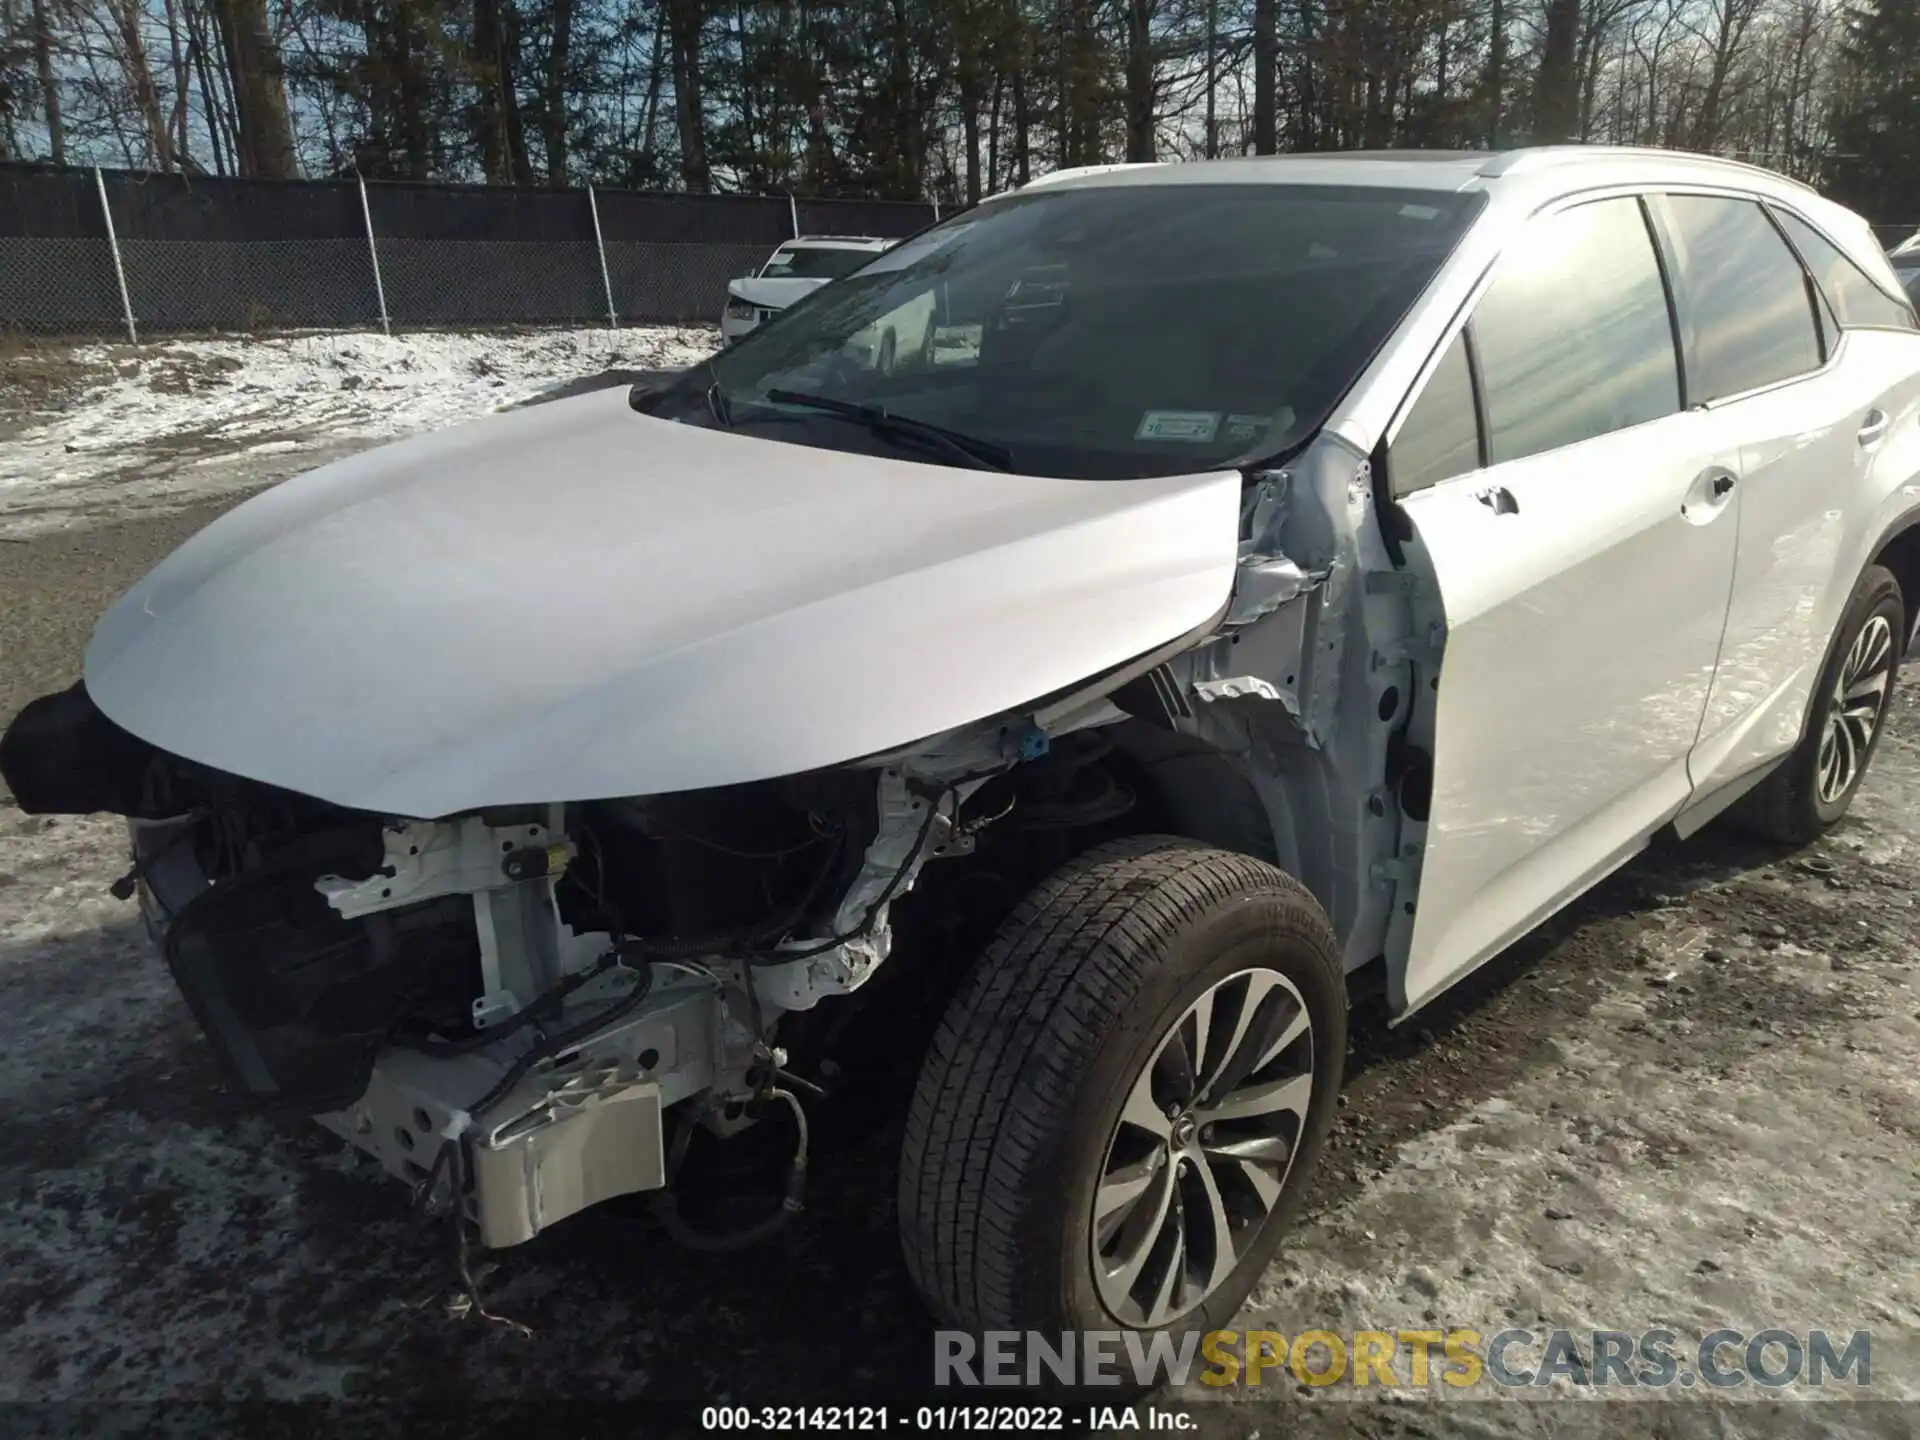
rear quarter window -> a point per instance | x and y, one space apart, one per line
1854 297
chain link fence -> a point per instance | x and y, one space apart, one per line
90 251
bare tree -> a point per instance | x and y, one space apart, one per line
1725 31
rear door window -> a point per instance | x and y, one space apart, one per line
1746 306
1855 298
1574 336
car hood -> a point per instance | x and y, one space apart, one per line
575 601
776 293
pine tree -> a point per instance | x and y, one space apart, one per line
1876 162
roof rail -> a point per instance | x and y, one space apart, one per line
1508 162
1074 172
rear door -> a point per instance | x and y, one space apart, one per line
1580 528
1809 406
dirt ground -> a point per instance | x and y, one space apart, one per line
1691 1101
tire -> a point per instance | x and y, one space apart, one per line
1017 1113
1789 806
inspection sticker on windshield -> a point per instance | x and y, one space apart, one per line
1197 425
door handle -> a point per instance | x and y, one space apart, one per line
1875 428
1705 492
1499 499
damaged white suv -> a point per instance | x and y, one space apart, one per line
1257 575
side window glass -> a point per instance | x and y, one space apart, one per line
1440 437
1747 312
1574 337
1855 298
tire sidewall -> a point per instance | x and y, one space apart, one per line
1237 935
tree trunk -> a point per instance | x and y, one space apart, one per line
553 108
747 147
1063 87
1308 135
1141 85
683 30
1266 77
209 93
131 53
1590 79
414 94
1496 72
1733 17
656 82
258 76
177 57
969 83
1213 78
1022 121
903 170
494 95
1556 92
49 87
993 130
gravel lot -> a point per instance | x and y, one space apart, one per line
1691 1102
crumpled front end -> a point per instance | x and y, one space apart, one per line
519 1007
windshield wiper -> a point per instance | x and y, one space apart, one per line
980 454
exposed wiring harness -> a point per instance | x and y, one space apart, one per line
880 901
665 1206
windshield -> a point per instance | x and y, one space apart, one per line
1106 332
814 264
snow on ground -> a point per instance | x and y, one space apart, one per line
177 420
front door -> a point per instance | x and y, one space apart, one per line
1584 566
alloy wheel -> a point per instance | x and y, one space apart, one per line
1854 708
1202 1148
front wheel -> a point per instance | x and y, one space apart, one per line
1127 1097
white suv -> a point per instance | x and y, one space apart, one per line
1256 576
796 269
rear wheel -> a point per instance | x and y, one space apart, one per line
1127 1097
1816 782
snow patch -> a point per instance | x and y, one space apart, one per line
181 419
